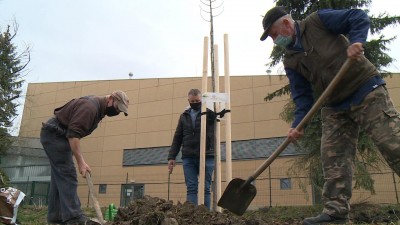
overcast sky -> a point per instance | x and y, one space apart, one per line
74 40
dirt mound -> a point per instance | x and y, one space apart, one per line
373 214
157 211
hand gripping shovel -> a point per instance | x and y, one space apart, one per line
94 199
239 193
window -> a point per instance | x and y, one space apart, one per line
286 184
102 188
138 191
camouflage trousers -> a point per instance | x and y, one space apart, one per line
377 116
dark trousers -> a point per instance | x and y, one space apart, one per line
63 202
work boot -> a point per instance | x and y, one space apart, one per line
324 218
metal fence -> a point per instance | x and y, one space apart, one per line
274 189
281 190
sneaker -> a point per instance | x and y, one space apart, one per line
325 219
82 220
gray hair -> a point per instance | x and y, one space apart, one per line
279 21
194 92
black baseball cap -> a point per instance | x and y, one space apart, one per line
270 17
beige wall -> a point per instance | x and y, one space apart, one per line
155 106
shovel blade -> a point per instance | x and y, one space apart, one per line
237 196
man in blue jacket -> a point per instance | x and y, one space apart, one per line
316 48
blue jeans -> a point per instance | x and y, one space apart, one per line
191 172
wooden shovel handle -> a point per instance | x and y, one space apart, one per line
328 91
94 199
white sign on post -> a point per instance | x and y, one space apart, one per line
211 97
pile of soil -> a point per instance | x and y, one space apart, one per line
157 211
373 214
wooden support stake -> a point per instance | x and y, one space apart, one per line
200 195
228 139
217 144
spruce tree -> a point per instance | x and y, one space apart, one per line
12 68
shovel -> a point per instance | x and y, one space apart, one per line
94 199
239 193
169 181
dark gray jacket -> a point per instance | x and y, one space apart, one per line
187 137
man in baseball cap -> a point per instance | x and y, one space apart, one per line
270 17
122 101
315 50
60 137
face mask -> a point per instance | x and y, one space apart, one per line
196 105
283 41
111 111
